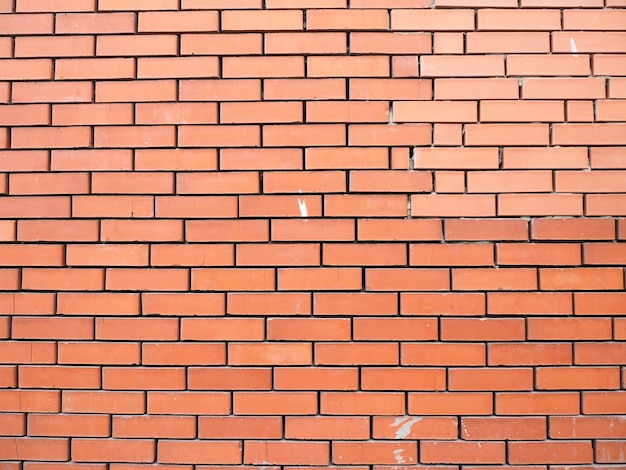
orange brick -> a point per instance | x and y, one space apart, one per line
442 304
188 403
115 450
461 66
509 42
40 328
476 88
348 66
108 303
179 21
199 452
31 255
599 303
552 65
599 353
588 41
435 111
313 230
141 230
197 206
529 354
306 43
50 137
316 378
470 329
405 329
603 402
366 254
116 5
389 43
539 204
183 354
221 136
269 304
85 69
365 205
234 427
395 229
220 90
362 403
222 44
360 453
548 157
529 303
143 378
450 403
569 329
553 403
25 115
577 378
62 279
298 182
49 449
240 378
271 403
304 453
432 20
260 112
563 88
134 136
274 354
350 20
59 377
538 254
347 111
54 46
319 279
227 230
95 23
183 304
446 205
99 353
308 329
604 204
260 159
581 278
103 402
140 45
407 279
462 452
390 89
71 5
415 428
266 66
327 427
355 304
154 426
524 20
137 329
451 255
448 354
550 452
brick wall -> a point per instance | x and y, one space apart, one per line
285 234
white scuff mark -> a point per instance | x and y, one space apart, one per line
304 212
405 424
572 46
397 454
391 115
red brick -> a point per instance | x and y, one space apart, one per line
62 279
263 67
270 354
28 352
563 88
113 206
581 278
259 159
448 354
387 89
43 5
544 65
403 379
590 303
572 229
183 354
304 89
54 46
350 20
108 303
603 402
306 43
219 90
13 425
490 379
268 304
540 204
141 230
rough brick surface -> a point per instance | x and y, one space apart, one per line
298 234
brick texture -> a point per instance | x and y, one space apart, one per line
305 234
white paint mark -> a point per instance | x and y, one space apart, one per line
406 423
397 454
572 46
304 212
